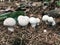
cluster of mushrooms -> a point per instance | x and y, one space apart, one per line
25 20
48 20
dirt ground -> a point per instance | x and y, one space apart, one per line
29 36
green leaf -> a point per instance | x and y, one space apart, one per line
4 16
11 14
16 14
58 3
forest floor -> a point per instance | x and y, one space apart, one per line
30 36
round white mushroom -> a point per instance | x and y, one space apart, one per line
23 20
10 22
33 21
45 18
51 20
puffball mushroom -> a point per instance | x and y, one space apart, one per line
10 22
23 20
51 20
48 19
33 21
45 17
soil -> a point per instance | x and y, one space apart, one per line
30 36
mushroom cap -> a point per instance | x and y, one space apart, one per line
26 17
45 17
50 19
20 17
23 20
33 20
9 22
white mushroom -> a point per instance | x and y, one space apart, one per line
33 21
48 20
51 20
23 20
45 18
10 22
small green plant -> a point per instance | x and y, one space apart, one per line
11 14
58 3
